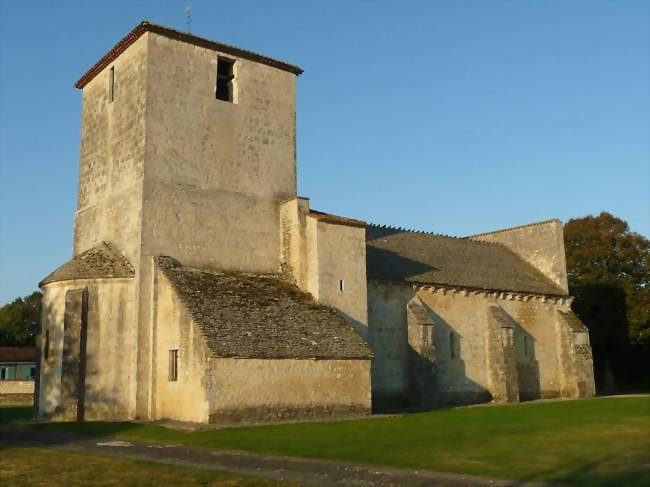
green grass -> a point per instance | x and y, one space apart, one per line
32 467
602 441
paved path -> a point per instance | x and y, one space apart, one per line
302 471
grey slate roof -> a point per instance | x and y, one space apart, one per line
399 255
262 316
102 261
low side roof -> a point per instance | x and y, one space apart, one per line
17 354
400 255
146 26
336 219
262 316
102 261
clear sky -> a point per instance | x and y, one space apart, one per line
449 116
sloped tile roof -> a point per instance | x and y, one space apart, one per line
400 255
17 354
146 26
335 219
262 316
102 261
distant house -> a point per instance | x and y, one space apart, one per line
17 372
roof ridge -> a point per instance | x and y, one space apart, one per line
534 224
434 234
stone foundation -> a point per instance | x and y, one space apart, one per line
275 414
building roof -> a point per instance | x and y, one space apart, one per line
262 316
518 227
102 261
415 257
17 354
146 26
335 219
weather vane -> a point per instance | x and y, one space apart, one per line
188 14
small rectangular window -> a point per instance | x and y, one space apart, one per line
452 345
32 372
225 77
173 365
341 285
111 84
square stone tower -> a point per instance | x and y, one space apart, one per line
187 148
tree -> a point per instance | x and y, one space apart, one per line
608 270
20 321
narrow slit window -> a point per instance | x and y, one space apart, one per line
225 77
452 345
47 344
111 84
173 365
341 285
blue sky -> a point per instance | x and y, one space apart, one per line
456 117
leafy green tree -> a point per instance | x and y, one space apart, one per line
20 321
608 269
601 250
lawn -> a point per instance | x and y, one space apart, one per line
33 467
603 441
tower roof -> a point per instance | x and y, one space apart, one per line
102 262
146 26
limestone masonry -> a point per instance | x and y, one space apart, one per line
203 289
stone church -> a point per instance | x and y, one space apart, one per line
203 289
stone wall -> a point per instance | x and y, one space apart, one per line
14 387
444 347
293 241
575 357
109 350
326 259
250 390
539 244
112 156
231 390
338 253
185 399
216 171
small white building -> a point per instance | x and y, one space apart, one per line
17 373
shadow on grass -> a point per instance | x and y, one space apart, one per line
9 413
602 472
